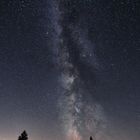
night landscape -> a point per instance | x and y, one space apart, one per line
69 70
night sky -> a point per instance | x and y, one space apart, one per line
70 69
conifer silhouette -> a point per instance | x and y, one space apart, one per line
23 136
91 138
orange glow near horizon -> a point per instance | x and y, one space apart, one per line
74 135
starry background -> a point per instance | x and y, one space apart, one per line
28 74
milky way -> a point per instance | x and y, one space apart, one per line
69 69
81 116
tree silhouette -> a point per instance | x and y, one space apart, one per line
91 138
23 136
